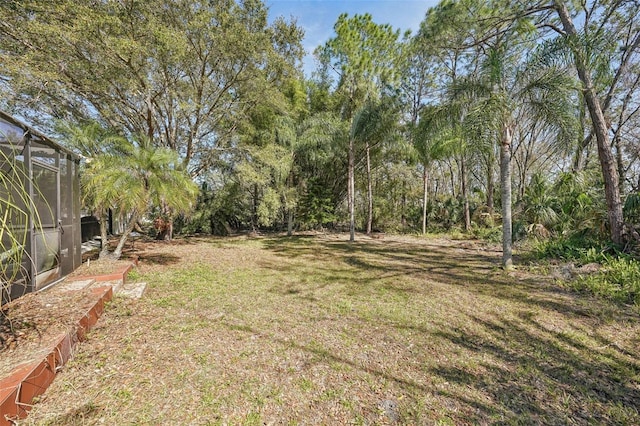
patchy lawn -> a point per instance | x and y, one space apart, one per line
314 330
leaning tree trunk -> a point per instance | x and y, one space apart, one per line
369 191
619 161
505 185
351 191
600 129
123 239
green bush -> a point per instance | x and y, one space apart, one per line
492 235
618 280
577 248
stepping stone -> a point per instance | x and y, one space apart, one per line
132 290
115 284
76 285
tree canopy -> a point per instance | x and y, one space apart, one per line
393 131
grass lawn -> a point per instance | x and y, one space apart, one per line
314 330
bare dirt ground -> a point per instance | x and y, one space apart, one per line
315 330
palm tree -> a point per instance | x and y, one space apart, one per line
581 205
504 86
129 177
320 158
540 205
144 177
94 141
372 125
432 142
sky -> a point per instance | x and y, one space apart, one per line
317 17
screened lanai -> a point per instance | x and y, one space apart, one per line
39 210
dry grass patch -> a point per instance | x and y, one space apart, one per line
315 330
30 325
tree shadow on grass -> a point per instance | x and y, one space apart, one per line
320 355
455 265
541 376
520 371
515 372
159 259
390 256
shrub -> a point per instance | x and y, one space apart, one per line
492 235
576 248
619 280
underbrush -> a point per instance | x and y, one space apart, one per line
488 234
491 235
577 248
617 280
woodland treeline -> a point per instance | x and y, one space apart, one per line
504 119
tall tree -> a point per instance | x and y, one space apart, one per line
182 72
501 85
447 37
431 143
321 162
374 123
363 54
506 86
581 43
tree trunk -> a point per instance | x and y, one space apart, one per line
166 212
600 128
289 222
289 209
465 197
505 185
403 206
123 239
254 215
452 176
104 237
351 191
578 161
149 116
425 180
619 162
491 185
369 191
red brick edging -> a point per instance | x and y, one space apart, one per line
114 276
18 390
